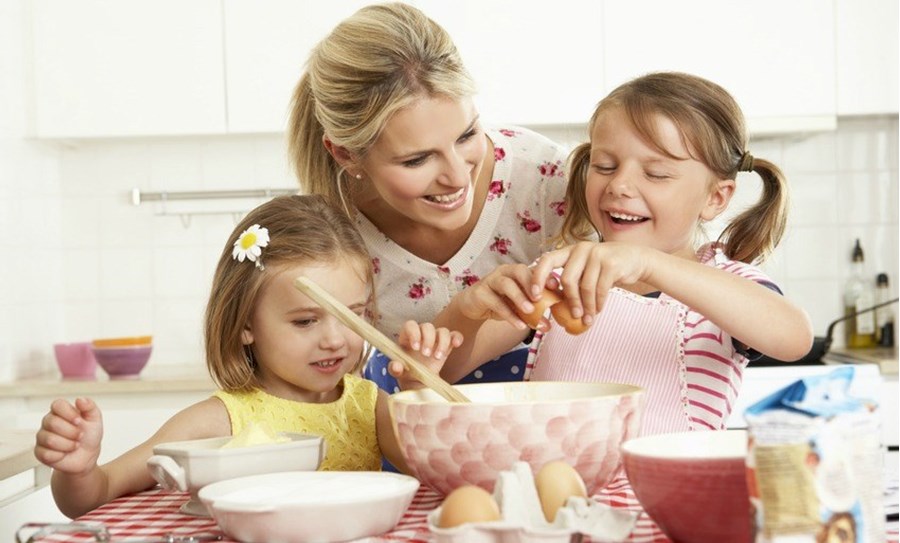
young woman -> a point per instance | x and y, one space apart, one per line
384 126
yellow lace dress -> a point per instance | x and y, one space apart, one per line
347 424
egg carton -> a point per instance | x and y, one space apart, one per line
522 519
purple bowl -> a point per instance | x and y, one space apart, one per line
123 362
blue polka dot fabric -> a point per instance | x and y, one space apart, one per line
509 367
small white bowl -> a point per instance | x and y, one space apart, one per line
297 507
190 465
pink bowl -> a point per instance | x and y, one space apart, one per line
447 445
75 360
693 484
122 362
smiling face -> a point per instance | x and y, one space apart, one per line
303 351
638 194
425 164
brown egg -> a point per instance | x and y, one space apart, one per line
548 298
563 315
555 482
468 503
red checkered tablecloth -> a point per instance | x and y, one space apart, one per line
155 514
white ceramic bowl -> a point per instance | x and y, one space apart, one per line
190 465
447 445
299 507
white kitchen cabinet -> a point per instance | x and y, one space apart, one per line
127 67
777 58
520 55
266 46
534 63
867 56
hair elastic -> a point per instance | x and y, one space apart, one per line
746 164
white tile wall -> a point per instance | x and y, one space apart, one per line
80 261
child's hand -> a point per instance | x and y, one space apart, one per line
428 345
69 438
590 269
498 295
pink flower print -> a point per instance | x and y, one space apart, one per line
496 189
559 207
467 278
376 265
419 290
508 133
499 153
500 245
551 169
444 270
529 224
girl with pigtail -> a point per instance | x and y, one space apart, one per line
658 307
649 304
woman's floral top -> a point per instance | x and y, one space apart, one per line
524 209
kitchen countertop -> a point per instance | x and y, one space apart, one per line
158 379
17 456
16 452
884 357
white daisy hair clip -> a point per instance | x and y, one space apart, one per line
249 245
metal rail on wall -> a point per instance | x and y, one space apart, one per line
138 196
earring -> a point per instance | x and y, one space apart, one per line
358 176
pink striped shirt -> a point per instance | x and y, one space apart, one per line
688 366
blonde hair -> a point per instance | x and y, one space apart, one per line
377 61
302 230
712 126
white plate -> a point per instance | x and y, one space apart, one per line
302 506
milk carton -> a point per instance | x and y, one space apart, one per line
814 464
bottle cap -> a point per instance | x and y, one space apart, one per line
857 252
881 280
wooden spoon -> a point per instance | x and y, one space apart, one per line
371 334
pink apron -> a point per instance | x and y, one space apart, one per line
635 340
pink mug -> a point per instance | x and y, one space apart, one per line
75 360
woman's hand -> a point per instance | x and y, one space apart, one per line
428 344
70 435
590 269
504 295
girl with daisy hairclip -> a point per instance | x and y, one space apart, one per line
278 358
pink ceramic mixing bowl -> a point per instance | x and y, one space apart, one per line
693 484
448 445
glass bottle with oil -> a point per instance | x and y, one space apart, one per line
858 295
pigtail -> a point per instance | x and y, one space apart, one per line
577 224
754 234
